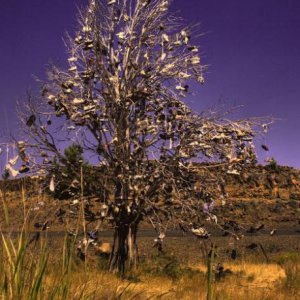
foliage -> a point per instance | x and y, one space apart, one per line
272 164
24 267
67 174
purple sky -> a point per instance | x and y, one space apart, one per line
252 47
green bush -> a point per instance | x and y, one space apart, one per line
272 165
70 170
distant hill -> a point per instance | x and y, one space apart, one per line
265 182
253 182
260 194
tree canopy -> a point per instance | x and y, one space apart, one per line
122 98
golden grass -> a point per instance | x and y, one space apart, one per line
38 274
250 281
254 275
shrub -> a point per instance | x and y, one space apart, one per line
272 164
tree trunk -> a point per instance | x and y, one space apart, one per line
124 248
119 252
132 246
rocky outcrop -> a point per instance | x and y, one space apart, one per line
263 182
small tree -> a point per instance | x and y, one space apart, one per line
131 64
68 172
272 164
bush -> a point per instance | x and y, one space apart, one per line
272 164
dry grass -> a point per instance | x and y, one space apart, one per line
254 275
65 277
248 281
35 272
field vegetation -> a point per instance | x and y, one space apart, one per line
34 266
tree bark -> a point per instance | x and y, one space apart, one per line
124 249
119 253
132 246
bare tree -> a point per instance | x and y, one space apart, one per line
130 67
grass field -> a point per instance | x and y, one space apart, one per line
48 267
50 270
